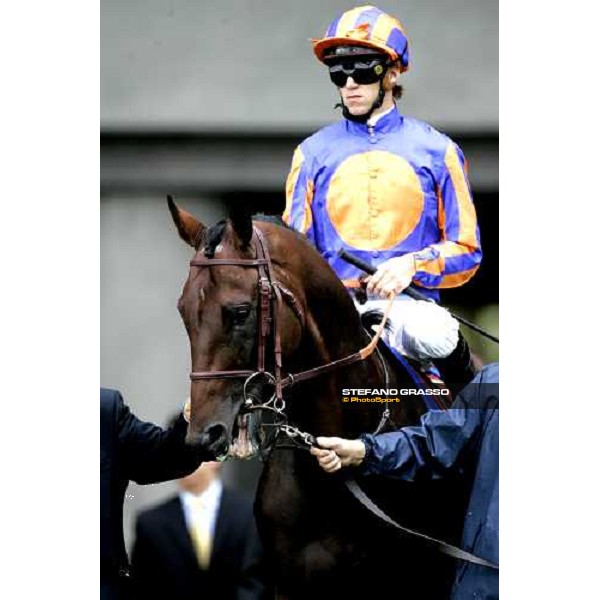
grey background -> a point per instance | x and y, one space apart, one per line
248 65
208 99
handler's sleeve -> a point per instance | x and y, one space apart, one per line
150 454
441 443
299 190
455 259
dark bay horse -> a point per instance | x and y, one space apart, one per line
320 541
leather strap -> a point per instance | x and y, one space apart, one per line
363 353
217 262
443 547
197 375
262 263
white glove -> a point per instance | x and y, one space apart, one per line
426 331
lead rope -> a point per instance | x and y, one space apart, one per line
443 547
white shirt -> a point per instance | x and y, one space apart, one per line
374 118
203 508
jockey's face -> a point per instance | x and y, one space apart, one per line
359 98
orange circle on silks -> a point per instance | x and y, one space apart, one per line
375 200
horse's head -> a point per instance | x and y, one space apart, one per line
219 307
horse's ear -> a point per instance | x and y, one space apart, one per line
241 221
189 228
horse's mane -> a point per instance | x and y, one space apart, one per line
275 219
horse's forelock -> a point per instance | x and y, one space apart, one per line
212 238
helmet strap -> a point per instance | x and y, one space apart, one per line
376 104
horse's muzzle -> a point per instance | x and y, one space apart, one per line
213 439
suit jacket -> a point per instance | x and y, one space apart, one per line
131 449
164 563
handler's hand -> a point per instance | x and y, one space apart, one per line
187 409
335 453
393 276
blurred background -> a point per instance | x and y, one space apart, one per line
206 100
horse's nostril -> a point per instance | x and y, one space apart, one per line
214 438
215 433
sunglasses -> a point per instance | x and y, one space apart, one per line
362 72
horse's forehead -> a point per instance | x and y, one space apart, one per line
225 278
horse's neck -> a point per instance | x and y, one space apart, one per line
333 323
334 331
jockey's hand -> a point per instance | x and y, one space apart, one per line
334 453
393 276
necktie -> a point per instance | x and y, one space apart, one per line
200 534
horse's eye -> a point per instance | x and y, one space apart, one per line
237 314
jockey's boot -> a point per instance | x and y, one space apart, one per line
457 369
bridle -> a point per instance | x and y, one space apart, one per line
271 295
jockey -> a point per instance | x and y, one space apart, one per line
385 187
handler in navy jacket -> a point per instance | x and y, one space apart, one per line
463 439
131 450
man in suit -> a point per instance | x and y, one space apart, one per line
200 544
131 450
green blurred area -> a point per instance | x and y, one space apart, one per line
486 317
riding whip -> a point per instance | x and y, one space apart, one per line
370 269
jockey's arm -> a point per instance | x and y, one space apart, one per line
456 257
299 189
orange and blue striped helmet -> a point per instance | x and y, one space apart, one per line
369 27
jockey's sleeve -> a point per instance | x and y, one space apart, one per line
299 190
455 259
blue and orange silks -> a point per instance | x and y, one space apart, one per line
366 26
384 191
